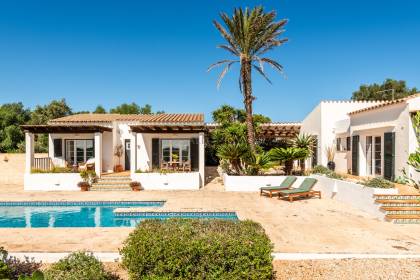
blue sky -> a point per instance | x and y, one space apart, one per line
157 52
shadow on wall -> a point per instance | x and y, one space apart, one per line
12 168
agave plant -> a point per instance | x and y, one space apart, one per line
304 141
233 153
288 155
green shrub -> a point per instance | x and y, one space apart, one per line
5 272
377 182
78 266
16 267
54 170
320 169
198 249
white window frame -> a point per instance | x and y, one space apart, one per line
66 152
170 149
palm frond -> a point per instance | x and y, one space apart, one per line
261 71
273 63
220 63
225 70
229 49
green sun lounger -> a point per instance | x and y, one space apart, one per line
286 184
304 190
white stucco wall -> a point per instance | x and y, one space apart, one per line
327 119
52 182
169 181
392 118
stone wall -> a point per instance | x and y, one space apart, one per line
12 168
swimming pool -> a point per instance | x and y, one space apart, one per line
57 214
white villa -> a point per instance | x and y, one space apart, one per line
167 151
371 138
172 142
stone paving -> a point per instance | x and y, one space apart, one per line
310 226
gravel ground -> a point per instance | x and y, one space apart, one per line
368 269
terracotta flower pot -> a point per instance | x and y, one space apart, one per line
118 168
84 187
135 186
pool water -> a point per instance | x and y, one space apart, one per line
68 214
89 214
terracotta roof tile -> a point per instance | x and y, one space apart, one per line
385 103
153 118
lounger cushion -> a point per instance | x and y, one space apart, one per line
287 183
306 186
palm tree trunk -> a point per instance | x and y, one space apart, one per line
248 98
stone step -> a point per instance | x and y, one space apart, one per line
404 212
99 182
110 188
398 197
402 216
400 201
415 207
407 221
115 179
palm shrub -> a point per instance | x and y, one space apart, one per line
257 162
233 154
304 141
198 249
249 35
287 156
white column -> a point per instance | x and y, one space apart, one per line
29 151
98 153
133 152
201 157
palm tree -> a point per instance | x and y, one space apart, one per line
249 35
305 141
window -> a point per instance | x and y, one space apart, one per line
338 144
79 151
58 147
378 155
348 144
175 151
369 155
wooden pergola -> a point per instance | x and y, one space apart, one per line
279 130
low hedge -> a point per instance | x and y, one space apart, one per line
198 249
78 266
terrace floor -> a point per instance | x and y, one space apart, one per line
313 225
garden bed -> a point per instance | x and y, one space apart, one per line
52 182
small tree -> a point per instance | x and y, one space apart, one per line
118 152
287 156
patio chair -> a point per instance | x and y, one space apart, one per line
304 190
286 184
89 165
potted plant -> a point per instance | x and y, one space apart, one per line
330 156
135 186
88 177
118 152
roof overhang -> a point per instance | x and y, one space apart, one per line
167 128
52 128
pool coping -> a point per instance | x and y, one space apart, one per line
133 211
37 203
